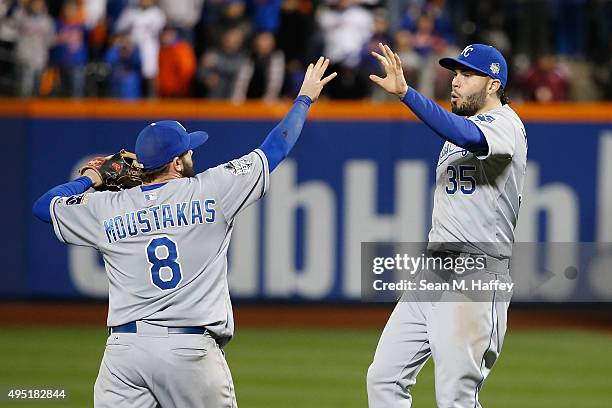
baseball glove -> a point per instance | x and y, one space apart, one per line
118 171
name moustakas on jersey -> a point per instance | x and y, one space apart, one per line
159 217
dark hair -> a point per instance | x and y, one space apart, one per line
503 98
149 175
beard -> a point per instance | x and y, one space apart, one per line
473 103
187 169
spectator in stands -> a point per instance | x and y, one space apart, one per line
36 35
294 40
71 51
345 28
369 64
95 12
266 15
183 15
296 29
443 27
219 67
233 15
412 62
603 76
114 9
215 16
496 36
546 80
8 38
261 77
96 27
425 38
144 23
381 34
405 13
123 59
535 27
434 80
177 65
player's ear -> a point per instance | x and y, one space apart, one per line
178 165
494 85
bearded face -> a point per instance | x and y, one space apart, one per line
470 104
187 163
469 92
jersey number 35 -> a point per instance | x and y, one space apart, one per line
460 178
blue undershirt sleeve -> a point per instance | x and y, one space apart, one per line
449 126
41 206
282 138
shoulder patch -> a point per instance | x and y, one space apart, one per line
80 199
239 166
150 196
485 118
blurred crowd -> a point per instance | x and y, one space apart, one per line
258 49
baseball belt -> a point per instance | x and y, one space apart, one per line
131 327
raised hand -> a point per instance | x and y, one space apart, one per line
394 81
313 84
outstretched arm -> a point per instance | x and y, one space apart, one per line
454 128
78 186
282 138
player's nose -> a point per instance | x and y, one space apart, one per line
456 82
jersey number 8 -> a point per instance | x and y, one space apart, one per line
158 261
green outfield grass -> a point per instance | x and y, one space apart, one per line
323 368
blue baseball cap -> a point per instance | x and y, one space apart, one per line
482 58
160 142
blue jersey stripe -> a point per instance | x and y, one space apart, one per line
486 350
263 169
55 219
152 186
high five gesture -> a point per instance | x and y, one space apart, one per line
313 84
394 81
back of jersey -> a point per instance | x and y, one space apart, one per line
165 246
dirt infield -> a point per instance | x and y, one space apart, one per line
282 315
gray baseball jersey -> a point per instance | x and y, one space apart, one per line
476 204
165 246
477 198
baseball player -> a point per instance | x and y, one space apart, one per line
164 245
479 179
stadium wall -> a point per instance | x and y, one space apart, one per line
360 172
